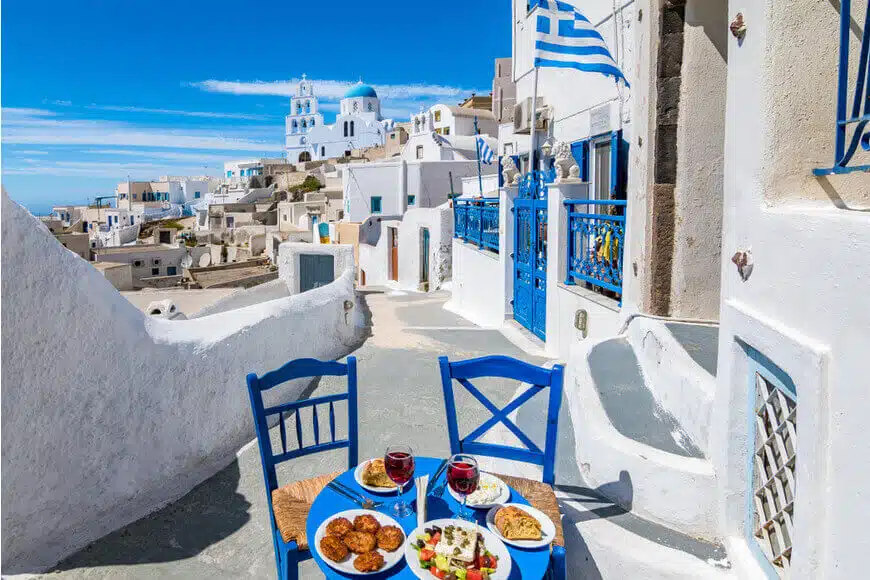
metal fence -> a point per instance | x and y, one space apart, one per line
476 221
596 242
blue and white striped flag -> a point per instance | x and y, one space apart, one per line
484 152
566 39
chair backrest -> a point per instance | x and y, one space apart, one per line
297 369
509 368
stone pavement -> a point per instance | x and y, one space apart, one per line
220 529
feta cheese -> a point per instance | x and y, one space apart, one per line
457 543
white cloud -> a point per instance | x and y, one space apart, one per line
334 89
176 112
38 127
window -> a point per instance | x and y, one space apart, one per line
438 130
508 148
195 195
345 128
446 130
323 150
231 221
412 199
351 128
171 270
419 152
136 195
774 407
437 116
370 107
131 220
376 204
155 262
601 170
284 217
138 263
229 174
392 135
155 271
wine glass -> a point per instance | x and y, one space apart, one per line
463 476
399 465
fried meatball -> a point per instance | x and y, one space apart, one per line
359 542
333 548
339 527
390 538
366 523
369 562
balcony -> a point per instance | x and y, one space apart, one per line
476 221
596 242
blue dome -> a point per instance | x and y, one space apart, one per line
360 90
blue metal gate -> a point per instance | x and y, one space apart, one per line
530 253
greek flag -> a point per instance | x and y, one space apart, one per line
484 153
566 39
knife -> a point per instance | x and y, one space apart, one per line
436 476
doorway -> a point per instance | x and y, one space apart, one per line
394 254
424 259
315 270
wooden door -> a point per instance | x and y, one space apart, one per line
394 254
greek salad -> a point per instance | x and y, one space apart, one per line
455 553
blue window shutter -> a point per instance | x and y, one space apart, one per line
618 166
580 151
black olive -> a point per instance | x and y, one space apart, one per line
428 531
436 528
421 544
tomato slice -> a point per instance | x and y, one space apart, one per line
438 573
473 575
435 538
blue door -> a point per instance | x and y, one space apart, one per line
315 270
530 255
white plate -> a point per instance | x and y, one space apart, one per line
548 530
346 566
502 497
357 475
490 541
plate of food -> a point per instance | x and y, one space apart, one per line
463 550
360 542
371 475
521 525
490 492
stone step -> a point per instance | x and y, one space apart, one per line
632 449
678 361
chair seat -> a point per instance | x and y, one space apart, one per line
540 496
291 504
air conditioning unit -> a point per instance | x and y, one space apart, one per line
522 116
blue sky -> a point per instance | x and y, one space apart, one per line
95 91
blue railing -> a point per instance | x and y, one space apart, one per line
476 221
596 242
858 118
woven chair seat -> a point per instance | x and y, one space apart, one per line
540 496
291 504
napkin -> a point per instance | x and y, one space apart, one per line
421 484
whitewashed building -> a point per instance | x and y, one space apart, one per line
358 125
694 258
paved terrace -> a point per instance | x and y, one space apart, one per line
220 529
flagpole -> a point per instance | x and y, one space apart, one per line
477 149
533 122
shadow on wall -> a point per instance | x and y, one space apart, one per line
712 16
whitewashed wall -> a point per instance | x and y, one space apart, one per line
806 304
478 290
91 443
439 222
288 260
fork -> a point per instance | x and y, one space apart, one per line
362 501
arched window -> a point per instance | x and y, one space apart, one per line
298 107
345 128
351 128
323 150
311 124
417 125
307 106
304 156
295 127
304 125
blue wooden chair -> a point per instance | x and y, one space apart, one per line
289 505
539 494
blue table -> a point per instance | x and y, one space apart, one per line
527 564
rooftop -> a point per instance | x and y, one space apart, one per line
134 249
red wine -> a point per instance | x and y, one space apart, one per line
463 477
399 467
